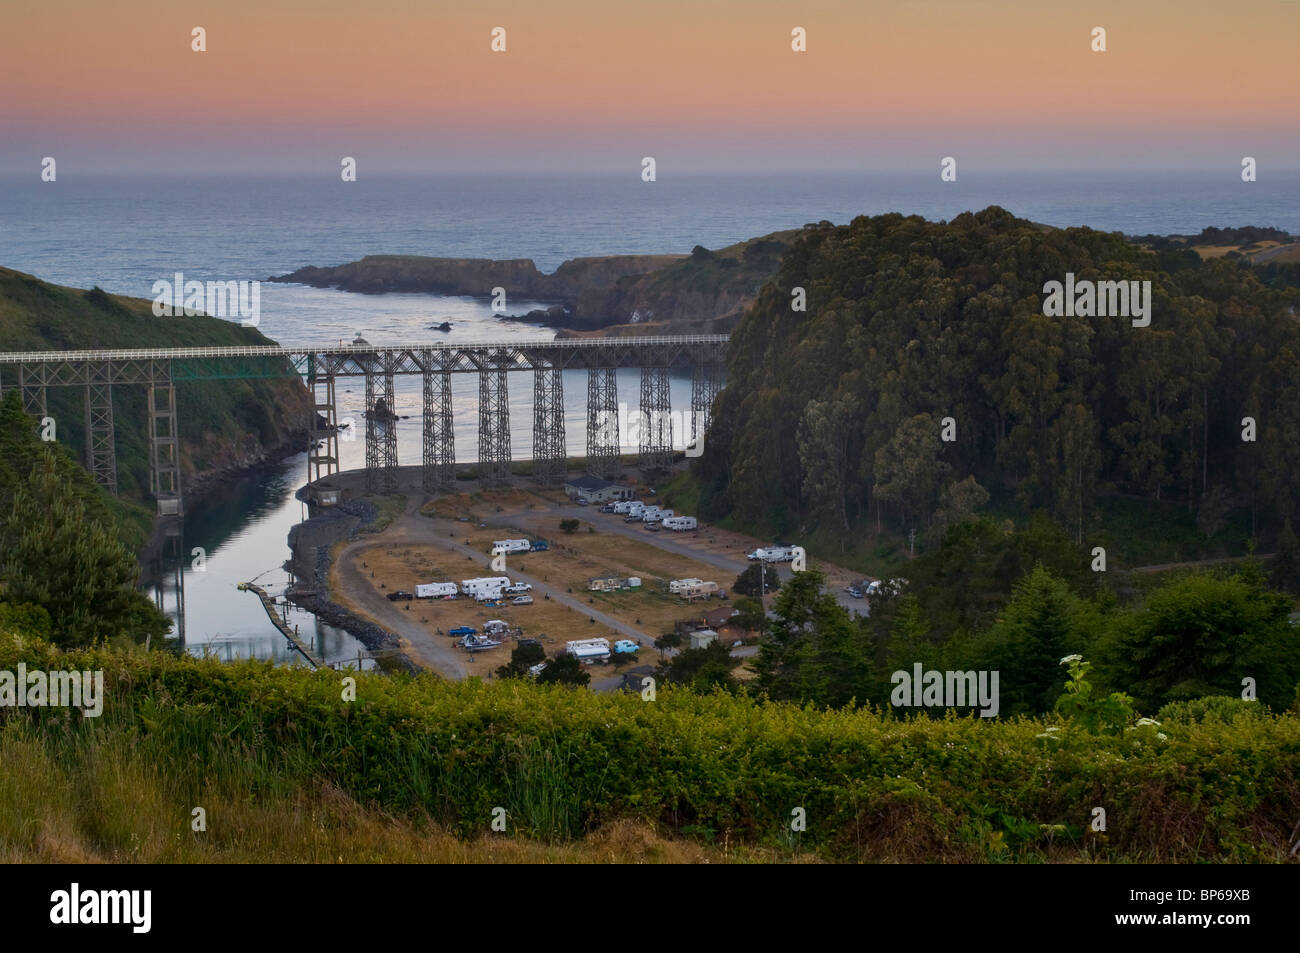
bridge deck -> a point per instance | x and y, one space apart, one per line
292 351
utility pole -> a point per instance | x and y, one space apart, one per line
911 541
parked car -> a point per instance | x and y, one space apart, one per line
518 589
607 508
854 591
632 518
401 595
540 546
522 601
653 526
581 502
461 631
625 646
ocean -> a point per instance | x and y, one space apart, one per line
124 233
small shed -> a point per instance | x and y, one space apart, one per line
701 638
326 494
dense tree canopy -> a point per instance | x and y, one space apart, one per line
836 416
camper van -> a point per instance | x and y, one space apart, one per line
588 650
436 590
679 523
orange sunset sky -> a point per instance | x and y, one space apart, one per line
412 85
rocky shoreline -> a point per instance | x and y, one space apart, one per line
311 543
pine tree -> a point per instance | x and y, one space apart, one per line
53 555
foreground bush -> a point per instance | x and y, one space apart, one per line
562 763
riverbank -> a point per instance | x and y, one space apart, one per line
311 543
209 481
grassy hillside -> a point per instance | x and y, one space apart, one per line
222 424
286 769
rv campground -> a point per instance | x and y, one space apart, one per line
450 538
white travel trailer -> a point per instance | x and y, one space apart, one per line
773 554
588 650
472 587
511 546
680 523
678 586
435 590
623 507
701 590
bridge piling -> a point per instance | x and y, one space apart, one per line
706 381
493 425
439 462
164 448
656 452
381 433
602 421
323 446
549 452
101 455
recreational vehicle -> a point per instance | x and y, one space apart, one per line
435 590
511 546
588 650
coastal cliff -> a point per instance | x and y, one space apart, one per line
703 290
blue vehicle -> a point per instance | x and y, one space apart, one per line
540 546
626 646
461 631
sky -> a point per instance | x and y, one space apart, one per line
409 86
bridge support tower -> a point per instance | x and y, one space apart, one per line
439 465
493 426
656 451
602 421
548 426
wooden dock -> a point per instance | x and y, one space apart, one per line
269 605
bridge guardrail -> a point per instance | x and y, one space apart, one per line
291 350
